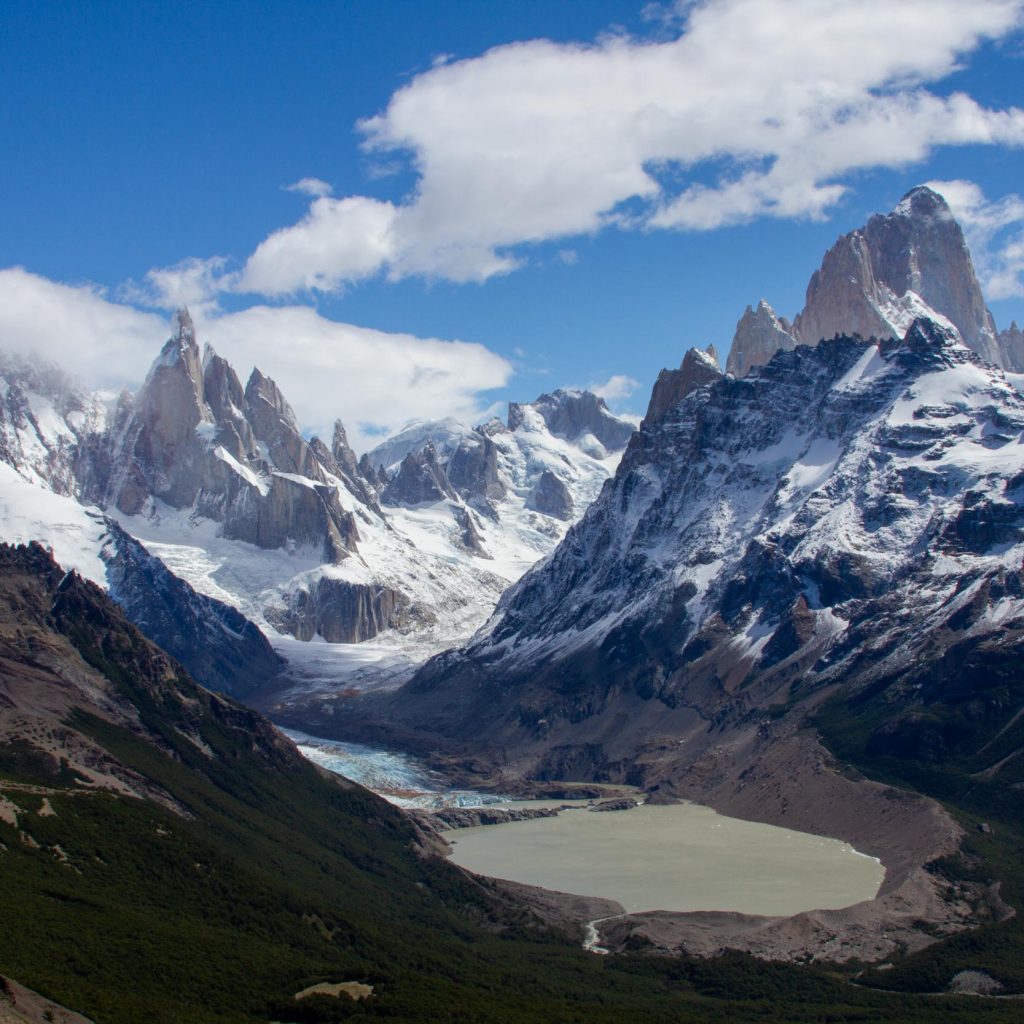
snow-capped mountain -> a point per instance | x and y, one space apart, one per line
876 280
834 518
381 564
521 482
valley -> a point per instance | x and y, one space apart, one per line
784 613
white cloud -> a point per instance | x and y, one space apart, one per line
615 387
193 282
338 240
315 187
105 344
373 381
995 234
750 108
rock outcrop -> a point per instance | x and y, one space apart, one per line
1011 343
760 333
193 439
575 416
876 280
699 367
472 470
551 497
339 611
43 416
420 478
220 647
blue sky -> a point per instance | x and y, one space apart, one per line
576 191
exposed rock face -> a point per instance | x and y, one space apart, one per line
871 280
194 439
339 611
472 469
471 539
273 424
42 416
672 386
55 628
840 500
552 497
759 335
161 451
221 648
288 513
223 393
572 415
876 280
1011 342
420 478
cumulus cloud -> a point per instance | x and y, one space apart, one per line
339 240
314 187
995 233
105 344
738 109
192 282
332 370
615 387
326 369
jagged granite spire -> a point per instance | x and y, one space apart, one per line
876 280
760 333
184 329
699 367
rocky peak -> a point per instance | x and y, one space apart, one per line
472 468
875 281
552 497
261 391
572 415
913 261
760 333
273 423
926 347
160 443
184 329
222 391
1011 344
699 367
420 478
343 454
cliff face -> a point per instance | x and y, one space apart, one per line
818 523
672 386
876 280
194 440
760 333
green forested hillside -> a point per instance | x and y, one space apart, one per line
246 875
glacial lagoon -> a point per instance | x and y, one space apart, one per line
679 857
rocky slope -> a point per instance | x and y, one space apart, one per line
216 480
848 519
789 512
150 830
874 281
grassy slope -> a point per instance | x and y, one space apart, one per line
281 878
945 743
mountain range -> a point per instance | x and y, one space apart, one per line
830 546
794 592
413 543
